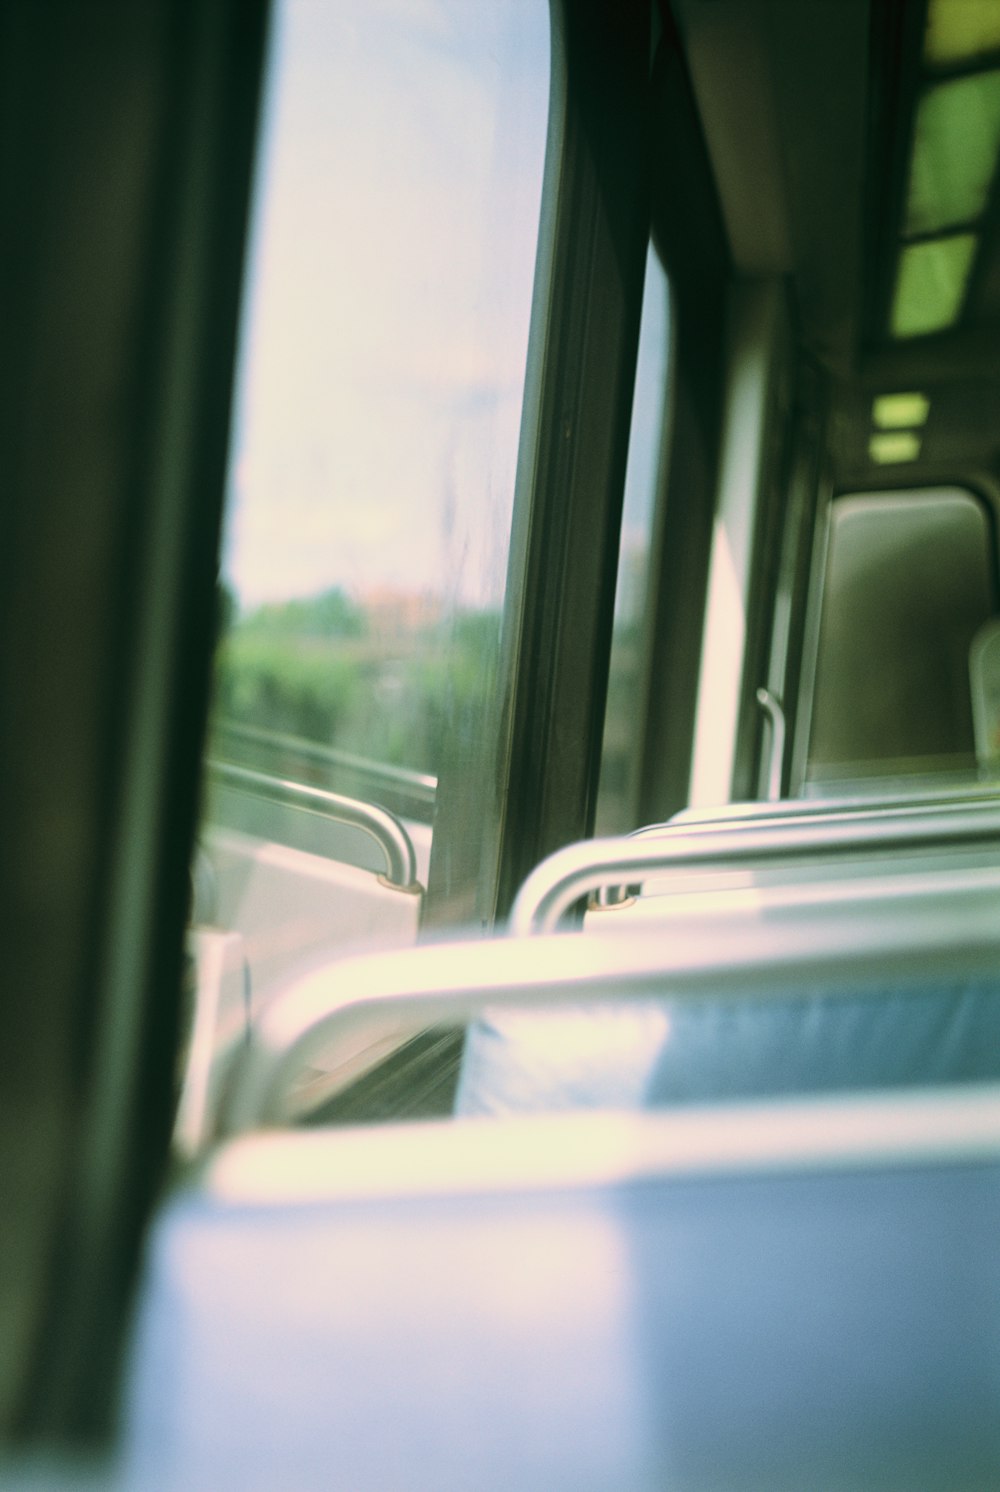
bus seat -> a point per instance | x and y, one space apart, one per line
929 795
303 874
290 875
217 1026
778 1296
285 910
668 1053
564 1020
293 908
824 1037
783 851
520 1062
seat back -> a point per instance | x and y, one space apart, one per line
913 999
856 845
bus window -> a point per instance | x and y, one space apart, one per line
379 392
617 798
371 487
909 581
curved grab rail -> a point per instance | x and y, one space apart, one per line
815 811
381 825
380 777
454 982
579 869
772 708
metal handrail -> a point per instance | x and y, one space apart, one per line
815 811
563 878
453 983
548 1153
772 708
378 823
421 786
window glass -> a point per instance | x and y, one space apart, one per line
374 452
909 581
382 368
621 749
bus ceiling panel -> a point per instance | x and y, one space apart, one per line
732 82
987 287
970 352
933 226
962 428
781 91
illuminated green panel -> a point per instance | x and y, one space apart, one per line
954 153
892 446
900 411
930 284
960 30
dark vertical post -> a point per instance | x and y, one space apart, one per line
128 134
578 401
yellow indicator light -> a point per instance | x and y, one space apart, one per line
931 280
955 148
961 30
891 446
900 411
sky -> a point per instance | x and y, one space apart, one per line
388 298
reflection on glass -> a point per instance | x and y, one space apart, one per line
618 790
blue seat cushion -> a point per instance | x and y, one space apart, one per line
668 1052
